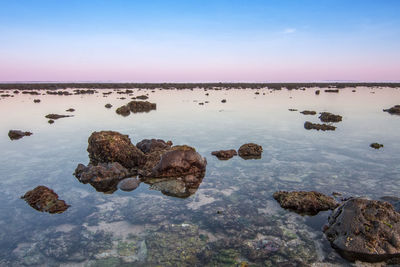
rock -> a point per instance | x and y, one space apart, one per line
332 91
70 110
123 110
36 101
44 199
329 117
308 112
250 151
376 145
109 146
129 184
224 154
304 202
108 105
57 116
151 145
317 92
393 110
223 101
143 97
323 127
366 230
141 106
16 134
104 177
50 121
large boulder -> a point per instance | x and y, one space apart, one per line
109 146
250 151
16 134
44 199
304 202
152 145
365 230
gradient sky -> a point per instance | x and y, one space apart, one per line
200 40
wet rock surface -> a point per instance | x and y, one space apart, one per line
393 110
316 126
329 117
224 154
57 116
152 145
304 202
250 151
376 145
17 134
129 184
44 199
308 112
366 230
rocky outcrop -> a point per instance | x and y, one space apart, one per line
224 154
365 230
250 151
308 112
376 145
393 110
304 202
44 199
109 146
16 134
152 145
329 117
316 126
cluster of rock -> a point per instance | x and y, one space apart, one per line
136 107
246 151
17 134
44 199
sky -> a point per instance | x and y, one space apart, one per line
199 40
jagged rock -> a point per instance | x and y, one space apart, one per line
224 154
393 110
305 202
376 145
16 134
323 127
329 117
395 201
109 146
250 151
365 230
57 116
151 145
44 199
129 184
308 112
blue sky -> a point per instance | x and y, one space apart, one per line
190 41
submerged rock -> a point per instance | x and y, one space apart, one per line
57 116
224 154
393 110
129 184
109 146
308 112
366 230
16 134
305 202
323 127
151 145
250 151
376 145
104 177
44 199
292 109
395 201
329 117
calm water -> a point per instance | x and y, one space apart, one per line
232 218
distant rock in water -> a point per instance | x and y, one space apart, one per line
332 91
224 154
129 184
16 134
57 116
70 110
304 202
44 199
152 145
376 145
393 110
308 112
108 105
84 92
36 101
323 127
365 230
250 151
329 117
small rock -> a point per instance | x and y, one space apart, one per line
108 105
57 116
123 110
317 92
36 101
70 110
50 121
223 101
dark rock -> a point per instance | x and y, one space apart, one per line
108 105
308 112
393 110
123 110
36 101
141 106
376 145
329 117
104 177
151 145
129 184
109 146
224 154
250 151
365 230
305 202
70 110
317 92
16 134
332 91
44 199
57 116
323 127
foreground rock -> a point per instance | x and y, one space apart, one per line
304 202
44 199
393 110
329 117
250 151
308 112
323 127
152 145
16 134
57 116
376 145
224 154
109 146
104 177
366 230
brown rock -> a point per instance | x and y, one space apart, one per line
123 110
44 199
141 106
129 184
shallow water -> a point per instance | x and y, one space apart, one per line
232 217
